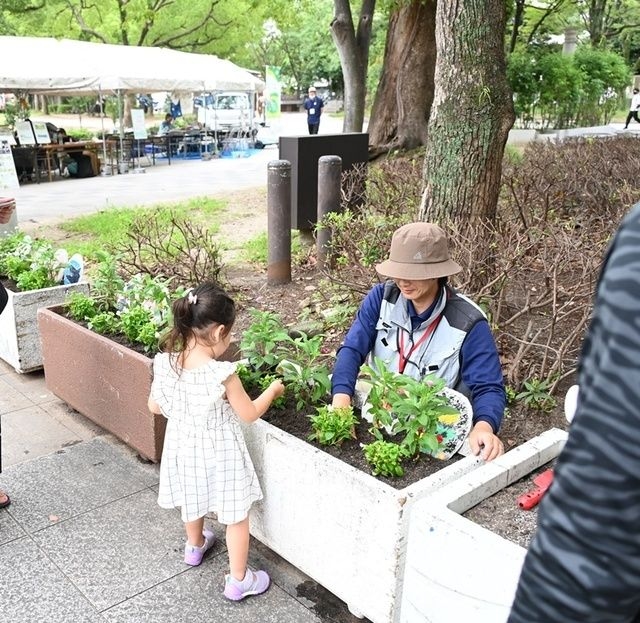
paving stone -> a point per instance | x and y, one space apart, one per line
34 590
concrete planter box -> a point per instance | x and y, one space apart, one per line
105 381
457 570
19 341
339 525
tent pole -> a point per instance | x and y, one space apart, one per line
104 139
121 117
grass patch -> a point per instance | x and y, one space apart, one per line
105 230
256 250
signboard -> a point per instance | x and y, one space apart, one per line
41 132
24 130
8 176
139 127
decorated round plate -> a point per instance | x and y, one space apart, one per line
451 430
452 435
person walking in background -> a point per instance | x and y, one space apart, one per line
419 325
584 561
5 216
205 464
633 108
313 105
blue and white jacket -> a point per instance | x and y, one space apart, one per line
457 345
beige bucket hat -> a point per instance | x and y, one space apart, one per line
418 251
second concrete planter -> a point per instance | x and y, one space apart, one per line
105 381
19 341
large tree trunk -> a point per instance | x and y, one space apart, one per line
471 115
405 92
353 50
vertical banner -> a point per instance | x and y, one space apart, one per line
273 91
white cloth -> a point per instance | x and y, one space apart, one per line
635 102
205 464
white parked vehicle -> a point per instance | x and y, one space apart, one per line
228 113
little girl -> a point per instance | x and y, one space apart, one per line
205 463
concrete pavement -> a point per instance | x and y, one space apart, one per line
84 540
162 182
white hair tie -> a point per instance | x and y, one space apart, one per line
192 298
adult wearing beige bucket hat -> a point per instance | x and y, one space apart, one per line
419 325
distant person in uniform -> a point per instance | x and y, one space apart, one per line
313 105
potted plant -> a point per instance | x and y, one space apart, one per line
98 353
33 272
340 525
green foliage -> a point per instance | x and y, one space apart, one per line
408 407
268 348
305 370
332 426
32 263
139 309
536 394
262 343
552 89
385 458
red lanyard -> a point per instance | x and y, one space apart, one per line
402 362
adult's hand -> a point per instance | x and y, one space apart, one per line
341 400
484 442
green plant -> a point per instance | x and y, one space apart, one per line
139 309
304 370
385 457
536 394
332 426
407 407
262 343
32 263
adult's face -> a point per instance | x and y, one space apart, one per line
421 292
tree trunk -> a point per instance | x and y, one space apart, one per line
471 115
353 50
405 92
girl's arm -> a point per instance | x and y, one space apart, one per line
250 410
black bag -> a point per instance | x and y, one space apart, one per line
84 166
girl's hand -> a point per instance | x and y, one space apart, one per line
6 212
277 388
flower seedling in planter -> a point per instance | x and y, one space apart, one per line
32 263
36 275
420 412
139 309
385 457
332 426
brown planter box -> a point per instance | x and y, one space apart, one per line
105 381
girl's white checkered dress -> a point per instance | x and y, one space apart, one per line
205 464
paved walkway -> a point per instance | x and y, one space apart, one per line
162 182
85 541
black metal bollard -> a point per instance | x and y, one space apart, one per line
329 176
278 222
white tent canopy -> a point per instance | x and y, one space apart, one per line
68 67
